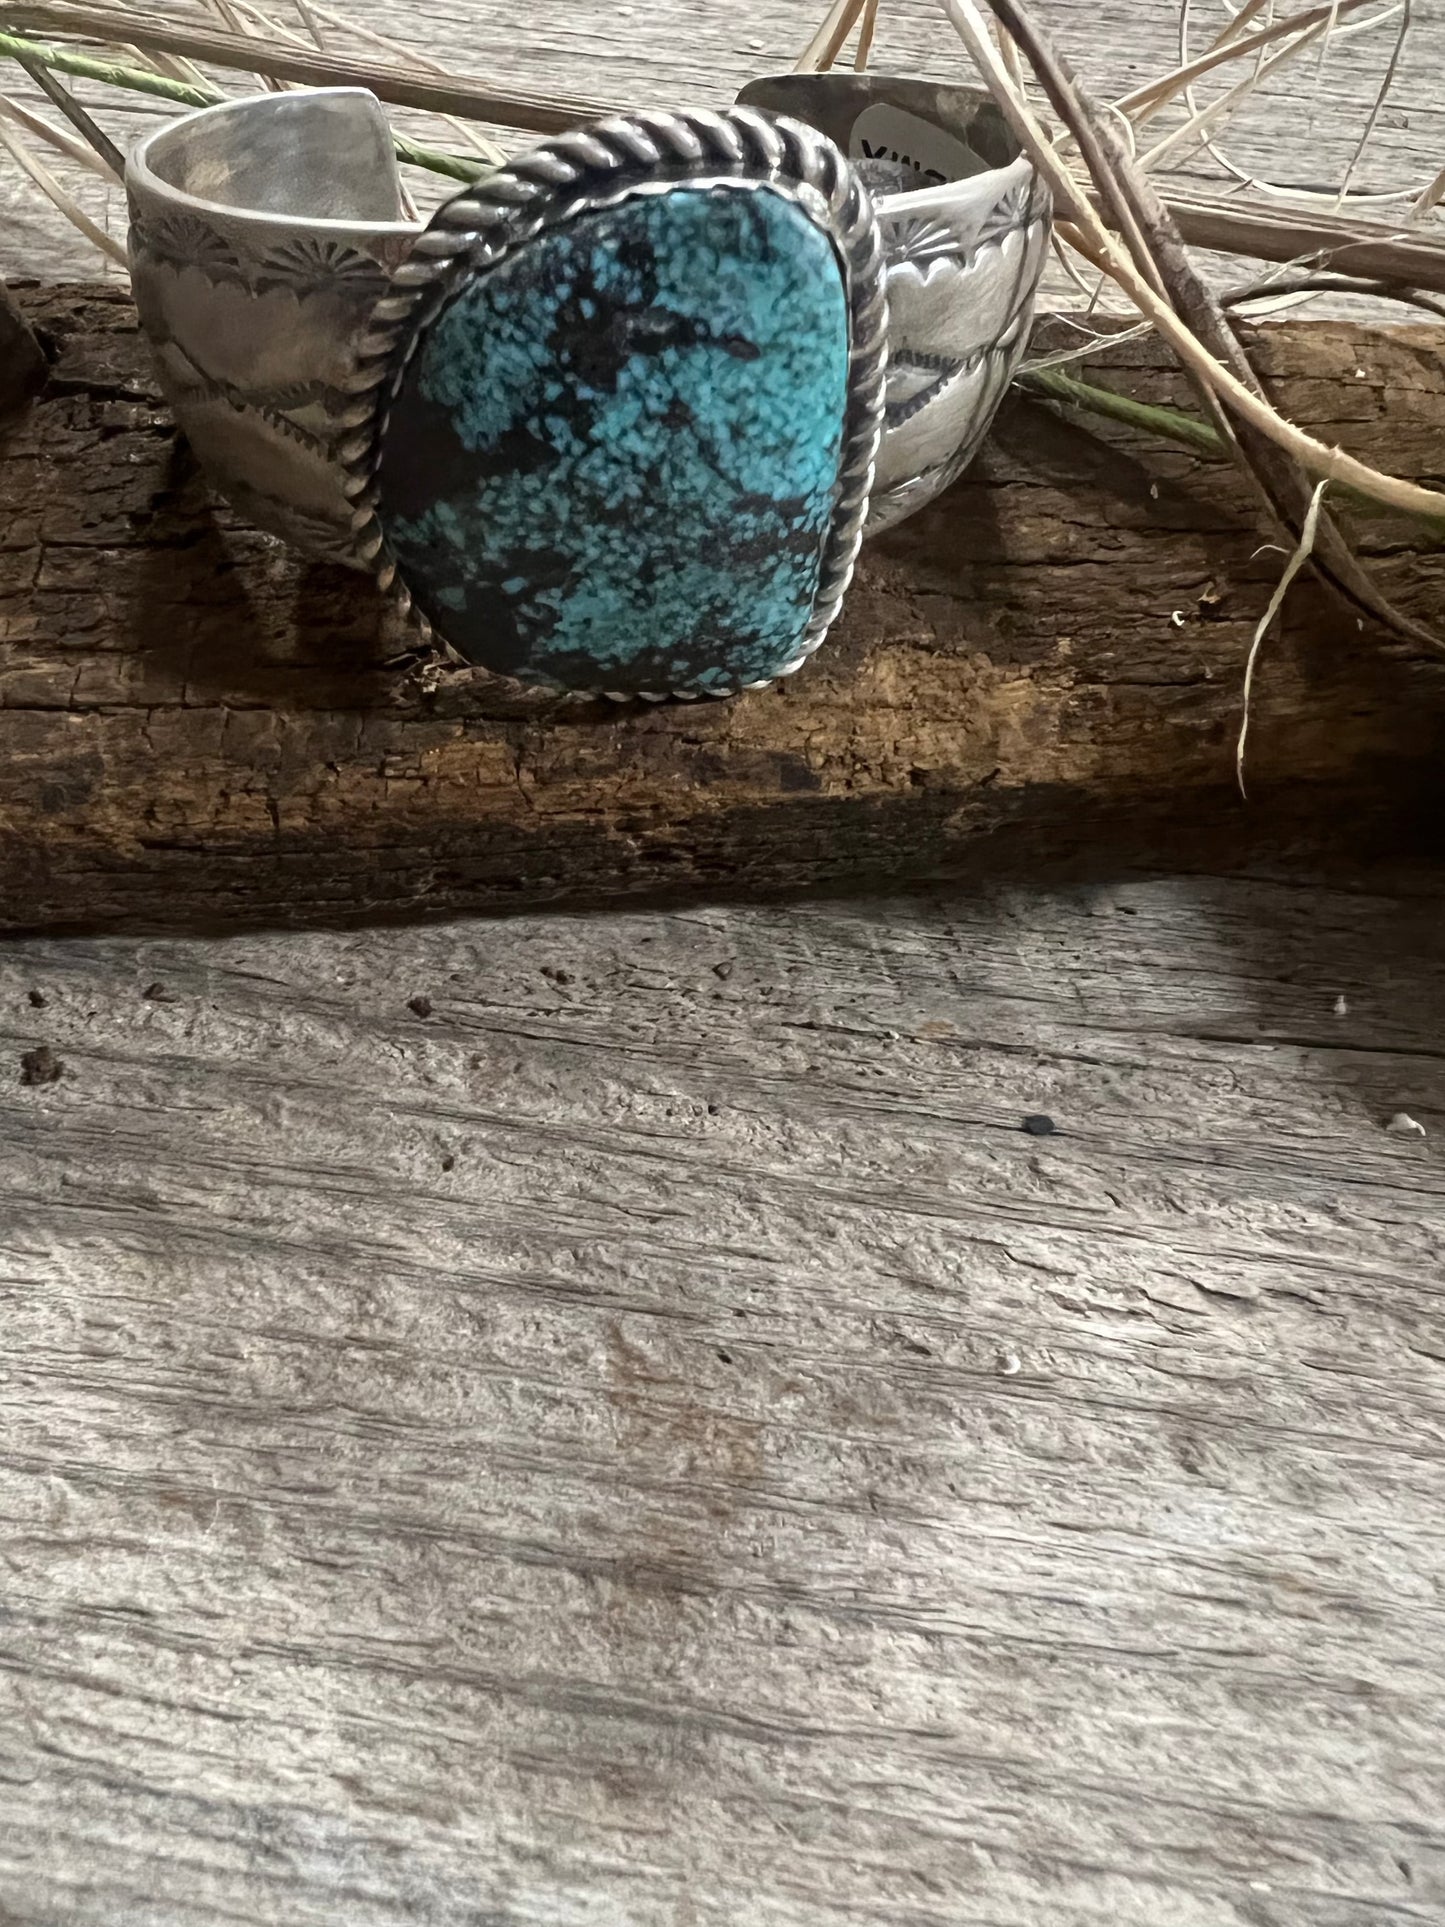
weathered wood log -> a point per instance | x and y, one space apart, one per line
22 360
195 727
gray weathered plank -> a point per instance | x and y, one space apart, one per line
1301 130
653 1441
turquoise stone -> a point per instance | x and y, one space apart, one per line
613 460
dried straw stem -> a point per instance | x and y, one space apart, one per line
832 36
1159 255
52 189
142 80
458 94
1146 101
79 151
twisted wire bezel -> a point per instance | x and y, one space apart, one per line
596 167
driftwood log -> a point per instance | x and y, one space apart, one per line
196 728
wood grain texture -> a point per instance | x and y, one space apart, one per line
1301 129
196 728
221 47
653 1442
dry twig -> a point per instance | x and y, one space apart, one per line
1087 232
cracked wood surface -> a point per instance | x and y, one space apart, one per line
197 729
588 1420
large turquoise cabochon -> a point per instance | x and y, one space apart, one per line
613 458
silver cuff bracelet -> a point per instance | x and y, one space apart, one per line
616 419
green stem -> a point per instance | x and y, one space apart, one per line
69 60
1172 423
140 80
455 166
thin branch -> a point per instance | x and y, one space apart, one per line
1431 197
316 16
822 50
1092 240
1370 249
865 36
1294 191
81 152
1268 288
1145 102
60 96
142 80
1304 549
1049 383
229 17
1094 340
463 95
1381 95
1172 423
1201 124
66 202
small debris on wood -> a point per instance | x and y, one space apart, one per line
1342 1006
419 1006
723 969
426 678
41 1066
556 974
1039 1124
37 999
157 994
1403 1125
1009 1364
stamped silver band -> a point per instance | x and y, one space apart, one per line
264 232
965 225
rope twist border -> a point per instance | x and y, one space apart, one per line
597 167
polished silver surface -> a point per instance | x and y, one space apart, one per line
965 227
597 167
263 233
